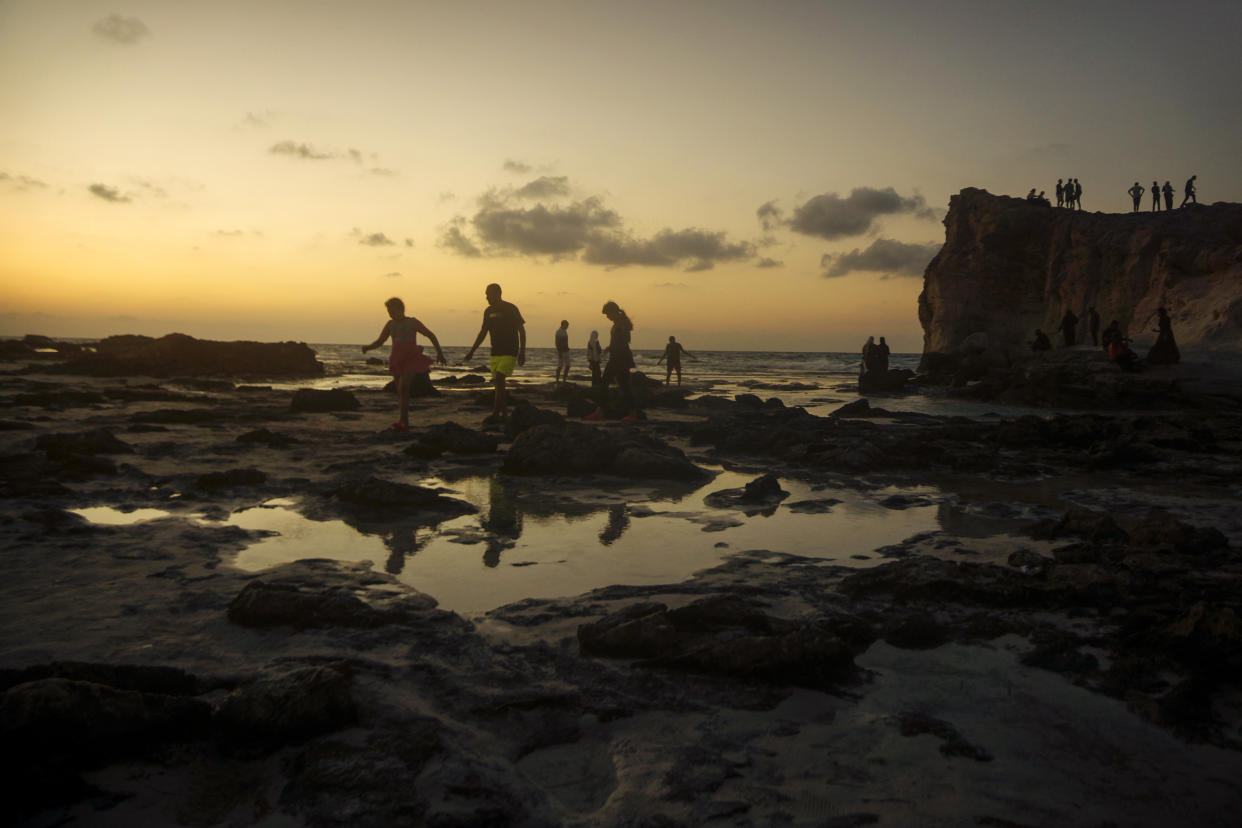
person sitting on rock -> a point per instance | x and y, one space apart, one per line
1041 342
1111 334
1031 195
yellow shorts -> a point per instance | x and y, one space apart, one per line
503 365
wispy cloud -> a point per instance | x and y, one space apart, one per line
765 262
518 167
830 216
393 274
108 193
258 120
885 256
544 187
306 152
453 239
21 183
118 29
372 239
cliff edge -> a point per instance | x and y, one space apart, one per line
1009 266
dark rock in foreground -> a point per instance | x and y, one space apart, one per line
314 400
577 448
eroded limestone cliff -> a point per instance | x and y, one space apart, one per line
1009 266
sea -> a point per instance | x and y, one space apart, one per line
821 382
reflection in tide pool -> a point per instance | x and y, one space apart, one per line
108 516
526 543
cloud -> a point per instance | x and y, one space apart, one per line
258 120
766 262
383 172
544 187
700 249
770 216
887 256
108 193
446 195
395 274
121 29
516 167
829 216
585 229
372 239
409 242
455 240
298 150
21 183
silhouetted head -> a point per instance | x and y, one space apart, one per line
564 323
617 316
871 340
492 292
396 308
672 339
882 342
594 335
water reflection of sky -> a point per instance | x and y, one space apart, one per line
524 543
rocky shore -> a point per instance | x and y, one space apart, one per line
1064 648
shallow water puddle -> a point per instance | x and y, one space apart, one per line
109 516
525 544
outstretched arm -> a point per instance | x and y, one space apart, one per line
380 340
478 339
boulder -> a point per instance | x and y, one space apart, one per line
89 443
286 708
316 400
261 604
578 448
458 439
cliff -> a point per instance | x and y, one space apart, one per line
1009 266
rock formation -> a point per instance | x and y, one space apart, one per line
178 355
1009 266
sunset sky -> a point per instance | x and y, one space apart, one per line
745 175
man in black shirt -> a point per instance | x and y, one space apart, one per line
503 322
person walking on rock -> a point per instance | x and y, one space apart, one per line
503 323
672 359
561 339
1136 193
407 358
1189 192
620 361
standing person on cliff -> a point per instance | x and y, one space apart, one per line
1136 193
1093 323
503 322
1060 193
1168 195
1189 192
1069 328
1155 196
1077 194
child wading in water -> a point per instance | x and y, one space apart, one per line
407 358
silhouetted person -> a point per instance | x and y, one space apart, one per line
1060 193
503 322
868 356
672 359
595 355
1168 195
561 339
1155 196
1111 334
1069 326
618 520
1120 353
1165 351
407 359
1040 342
1189 193
1031 195
1136 193
881 360
1093 323
1077 194
620 361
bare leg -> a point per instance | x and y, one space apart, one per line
679 375
498 400
403 395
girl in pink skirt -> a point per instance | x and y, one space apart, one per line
407 357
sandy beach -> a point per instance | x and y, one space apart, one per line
219 610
